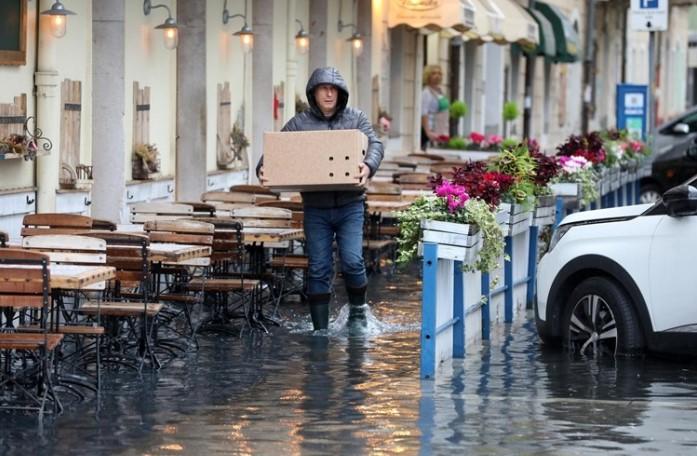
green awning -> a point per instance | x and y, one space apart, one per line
566 37
547 46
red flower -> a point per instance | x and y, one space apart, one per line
477 138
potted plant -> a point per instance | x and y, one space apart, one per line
510 113
145 162
458 110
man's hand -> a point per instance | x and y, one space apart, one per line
363 175
262 181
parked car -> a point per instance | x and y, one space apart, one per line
675 158
621 280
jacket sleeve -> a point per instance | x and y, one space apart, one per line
375 152
291 125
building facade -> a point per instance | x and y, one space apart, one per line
114 84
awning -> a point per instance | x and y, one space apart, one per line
565 35
547 45
432 14
488 22
518 26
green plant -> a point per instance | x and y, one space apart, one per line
458 109
508 143
475 211
456 143
510 111
517 162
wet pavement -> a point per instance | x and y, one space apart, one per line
295 393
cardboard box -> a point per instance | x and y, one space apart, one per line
313 160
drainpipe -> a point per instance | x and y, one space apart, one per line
47 113
588 65
528 89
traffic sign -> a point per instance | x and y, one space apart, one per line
648 15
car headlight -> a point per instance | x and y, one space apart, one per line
557 235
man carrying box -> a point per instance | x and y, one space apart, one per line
335 215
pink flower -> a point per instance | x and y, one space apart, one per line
476 138
455 195
495 140
636 146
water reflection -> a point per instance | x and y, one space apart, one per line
297 393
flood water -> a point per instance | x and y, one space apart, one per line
294 393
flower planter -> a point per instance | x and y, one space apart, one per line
456 241
545 211
503 216
614 178
521 219
464 155
566 189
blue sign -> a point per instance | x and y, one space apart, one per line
632 107
648 4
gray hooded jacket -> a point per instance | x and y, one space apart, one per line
345 118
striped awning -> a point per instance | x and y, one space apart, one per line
432 14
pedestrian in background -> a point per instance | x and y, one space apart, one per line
434 107
335 215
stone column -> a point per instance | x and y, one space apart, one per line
318 32
364 67
262 78
47 114
109 104
191 101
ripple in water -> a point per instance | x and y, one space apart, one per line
338 327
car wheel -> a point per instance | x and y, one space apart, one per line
650 194
600 320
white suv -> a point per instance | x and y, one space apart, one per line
620 281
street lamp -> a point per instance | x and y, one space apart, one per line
245 33
302 39
169 26
57 15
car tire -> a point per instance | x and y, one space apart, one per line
650 193
599 320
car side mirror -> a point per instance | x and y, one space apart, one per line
681 128
681 200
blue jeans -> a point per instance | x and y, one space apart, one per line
322 227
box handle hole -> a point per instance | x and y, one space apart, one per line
331 174
331 158
347 174
347 157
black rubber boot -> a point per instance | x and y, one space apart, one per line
357 308
319 310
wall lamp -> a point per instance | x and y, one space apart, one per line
302 39
57 15
356 39
245 33
169 26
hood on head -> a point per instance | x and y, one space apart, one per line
327 75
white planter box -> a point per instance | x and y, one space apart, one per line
566 189
457 241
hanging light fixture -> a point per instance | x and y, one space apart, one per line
169 26
57 15
302 39
245 33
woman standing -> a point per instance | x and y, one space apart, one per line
434 107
